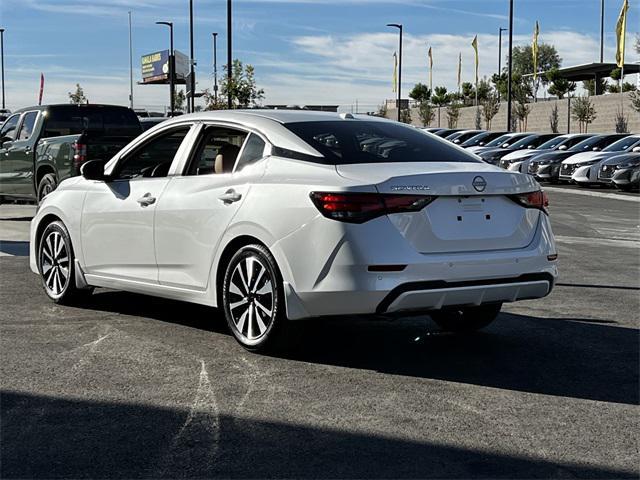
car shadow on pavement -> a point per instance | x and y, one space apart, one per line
569 357
50 437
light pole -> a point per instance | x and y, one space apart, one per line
399 27
130 65
229 57
171 66
509 91
192 81
215 67
2 61
602 31
500 55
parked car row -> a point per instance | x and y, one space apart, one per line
585 159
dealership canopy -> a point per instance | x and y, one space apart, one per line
593 71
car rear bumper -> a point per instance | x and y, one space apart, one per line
345 286
437 295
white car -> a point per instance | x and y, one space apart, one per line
276 216
586 172
587 159
520 160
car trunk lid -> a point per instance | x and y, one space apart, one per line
472 211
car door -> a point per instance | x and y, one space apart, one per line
8 170
22 154
118 214
197 207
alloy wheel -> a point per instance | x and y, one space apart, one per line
251 298
54 263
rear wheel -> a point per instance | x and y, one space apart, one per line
56 265
47 184
252 298
466 319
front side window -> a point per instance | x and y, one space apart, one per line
154 158
9 127
353 142
217 151
27 126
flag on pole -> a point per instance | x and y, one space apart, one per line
474 44
534 50
41 88
621 33
430 69
459 70
395 72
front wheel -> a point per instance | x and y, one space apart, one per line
56 264
466 319
252 298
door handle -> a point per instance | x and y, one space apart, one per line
230 196
146 200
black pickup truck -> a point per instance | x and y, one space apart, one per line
41 146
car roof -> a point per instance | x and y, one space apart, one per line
84 105
280 116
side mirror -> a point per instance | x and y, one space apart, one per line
505 145
5 139
481 144
530 147
596 149
636 150
93 170
562 147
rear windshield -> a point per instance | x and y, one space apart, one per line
104 121
351 142
553 143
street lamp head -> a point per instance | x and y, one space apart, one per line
169 24
215 34
397 25
1 30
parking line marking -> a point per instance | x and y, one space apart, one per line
612 196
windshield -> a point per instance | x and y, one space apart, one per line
353 142
482 137
553 143
498 141
587 144
622 145
526 141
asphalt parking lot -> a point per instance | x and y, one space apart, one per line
128 386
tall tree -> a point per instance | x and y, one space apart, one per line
490 108
583 110
559 86
77 97
420 93
243 88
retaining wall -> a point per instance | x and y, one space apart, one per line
606 107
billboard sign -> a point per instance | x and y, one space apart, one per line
155 67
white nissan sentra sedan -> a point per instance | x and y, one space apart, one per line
276 216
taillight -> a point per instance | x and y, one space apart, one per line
537 199
361 207
80 155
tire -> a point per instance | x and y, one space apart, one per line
56 264
253 299
467 319
47 184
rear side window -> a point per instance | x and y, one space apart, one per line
100 120
217 151
352 142
27 125
9 127
253 151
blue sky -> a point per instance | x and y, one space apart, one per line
304 51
